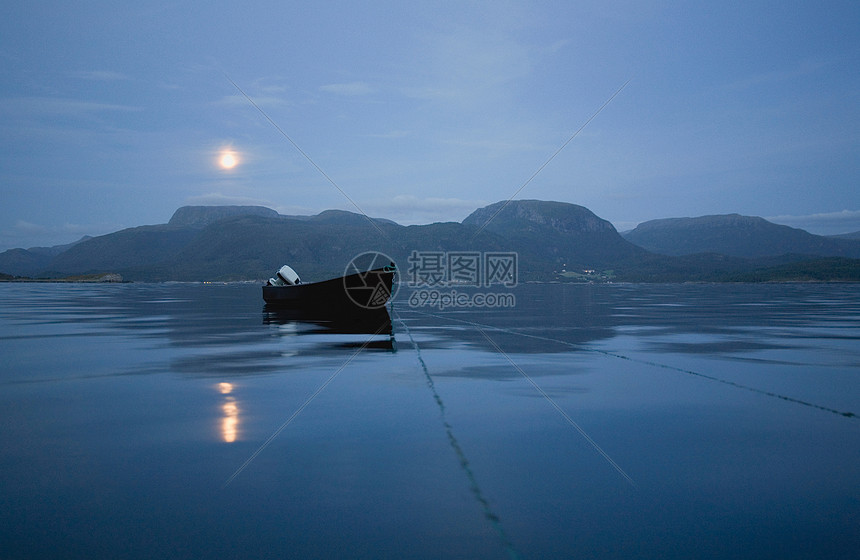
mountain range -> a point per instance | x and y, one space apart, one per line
552 240
736 235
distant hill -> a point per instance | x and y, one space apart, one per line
133 247
833 269
252 246
735 235
561 235
342 217
57 249
22 262
239 243
552 240
32 261
202 216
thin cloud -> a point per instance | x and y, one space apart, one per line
57 106
237 100
391 135
462 66
292 210
100 76
273 89
429 93
25 227
826 223
622 226
219 199
26 234
349 89
411 210
802 69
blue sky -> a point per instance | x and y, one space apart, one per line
113 114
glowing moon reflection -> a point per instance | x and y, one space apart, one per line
230 420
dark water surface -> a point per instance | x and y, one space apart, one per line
607 421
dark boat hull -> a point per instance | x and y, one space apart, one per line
355 293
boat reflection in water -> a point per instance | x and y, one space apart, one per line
373 324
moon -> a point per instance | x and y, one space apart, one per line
228 159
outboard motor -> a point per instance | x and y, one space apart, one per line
286 276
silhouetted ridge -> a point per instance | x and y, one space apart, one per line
555 236
553 241
538 215
202 216
735 235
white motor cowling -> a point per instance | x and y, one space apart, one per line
287 276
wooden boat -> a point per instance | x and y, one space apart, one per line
347 295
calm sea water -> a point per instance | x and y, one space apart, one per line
606 421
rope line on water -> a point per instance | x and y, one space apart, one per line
561 411
653 364
491 516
